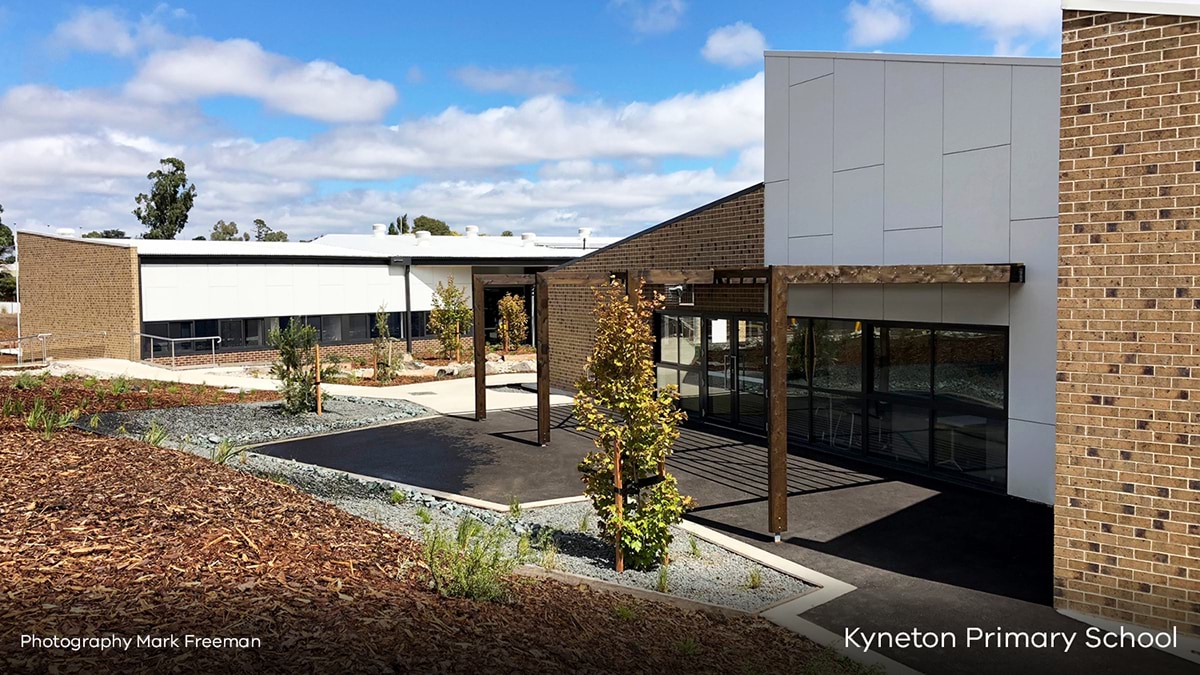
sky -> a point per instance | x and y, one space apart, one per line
525 116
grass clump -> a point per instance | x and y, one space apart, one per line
754 578
397 497
625 612
688 646
226 451
662 583
46 420
423 515
514 507
693 546
29 381
470 563
119 385
545 543
156 434
13 407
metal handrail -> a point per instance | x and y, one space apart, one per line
214 339
44 338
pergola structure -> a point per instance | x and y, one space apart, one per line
776 278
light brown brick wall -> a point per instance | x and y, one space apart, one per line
1127 512
71 286
727 233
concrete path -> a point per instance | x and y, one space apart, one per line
505 392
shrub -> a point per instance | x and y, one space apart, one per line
632 418
470 564
295 367
514 322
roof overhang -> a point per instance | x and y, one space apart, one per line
1163 7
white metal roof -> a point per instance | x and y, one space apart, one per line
204 247
1164 7
434 246
553 249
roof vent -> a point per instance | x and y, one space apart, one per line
379 230
422 237
584 233
528 239
471 231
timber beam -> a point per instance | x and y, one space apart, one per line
1002 273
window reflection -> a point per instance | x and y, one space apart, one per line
970 367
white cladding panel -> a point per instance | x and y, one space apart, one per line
180 291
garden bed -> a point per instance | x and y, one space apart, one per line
90 395
102 536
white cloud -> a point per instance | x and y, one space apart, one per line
652 16
104 31
36 110
544 128
520 81
876 22
318 89
736 45
1011 24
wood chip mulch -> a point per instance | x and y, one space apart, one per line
102 536
96 396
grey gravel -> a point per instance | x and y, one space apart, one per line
248 423
716 576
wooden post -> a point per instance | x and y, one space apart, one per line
777 506
618 484
542 303
317 366
480 350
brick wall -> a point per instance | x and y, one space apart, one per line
725 233
73 286
1127 513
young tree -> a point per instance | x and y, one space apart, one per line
295 367
506 233
383 364
514 322
431 225
223 231
636 424
450 315
107 234
394 228
262 232
165 210
6 241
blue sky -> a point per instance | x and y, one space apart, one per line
530 116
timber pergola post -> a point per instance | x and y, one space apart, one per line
541 302
777 403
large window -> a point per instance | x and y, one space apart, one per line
925 397
249 334
679 357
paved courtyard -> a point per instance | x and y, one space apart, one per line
922 554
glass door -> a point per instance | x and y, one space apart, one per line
735 372
719 359
751 385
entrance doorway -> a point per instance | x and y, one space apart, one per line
735 372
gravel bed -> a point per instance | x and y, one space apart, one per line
709 574
247 423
